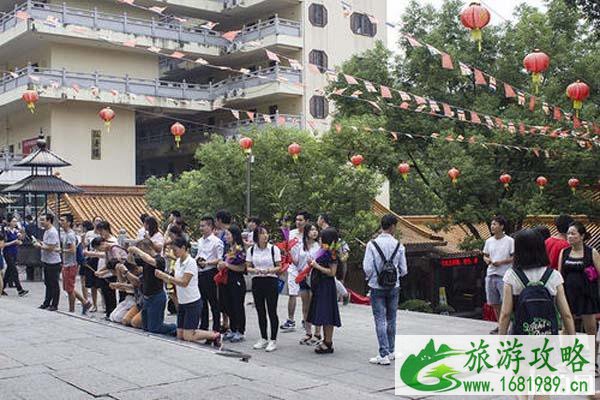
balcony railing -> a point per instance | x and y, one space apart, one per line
93 19
231 87
196 134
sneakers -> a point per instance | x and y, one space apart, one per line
23 293
261 344
237 337
272 346
43 307
288 326
228 336
391 356
85 307
380 360
52 308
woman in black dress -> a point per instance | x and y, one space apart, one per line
323 310
580 266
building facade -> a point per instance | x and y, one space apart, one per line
157 62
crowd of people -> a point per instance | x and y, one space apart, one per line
205 282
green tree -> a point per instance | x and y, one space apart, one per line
561 32
321 180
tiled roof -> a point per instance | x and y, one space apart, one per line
411 235
42 157
455 234
42 184
120 206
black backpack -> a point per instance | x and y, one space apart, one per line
388 276
535 311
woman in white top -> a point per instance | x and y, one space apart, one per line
152 233
303 254
188 294
263 261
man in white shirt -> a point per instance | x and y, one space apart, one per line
302 218
50 256
384 301
498 255
210 252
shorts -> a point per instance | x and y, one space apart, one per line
69 274
293 287
188 315
304 286
91 280
494 289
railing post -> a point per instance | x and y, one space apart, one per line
64 13
179 32
153 27
126 83
125 22
96 79
259 29
210 89
183 88
63 77
95 15
156 84
276 24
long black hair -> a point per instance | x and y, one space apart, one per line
152 224
530 251
236 232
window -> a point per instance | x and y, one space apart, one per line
319 107
363 24
96 145
317 15
319 58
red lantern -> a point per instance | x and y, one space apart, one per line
30 97
454 173
536 63
246 144
357 160
573 183
177 130
294 150
404 169
578 92
107 115
475 17
505 179
541 181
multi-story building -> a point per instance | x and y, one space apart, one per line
153 62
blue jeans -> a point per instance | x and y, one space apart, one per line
384 303
153 315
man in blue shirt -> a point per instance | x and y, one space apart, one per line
12 242
384 301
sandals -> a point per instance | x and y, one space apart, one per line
324 348
307 339
316 340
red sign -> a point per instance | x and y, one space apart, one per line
459 262
29 145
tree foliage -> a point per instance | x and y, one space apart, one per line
561 32
321 180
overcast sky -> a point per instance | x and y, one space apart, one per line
499 8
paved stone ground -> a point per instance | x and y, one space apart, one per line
45 355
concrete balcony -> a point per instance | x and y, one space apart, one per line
63 85
91 24
197 134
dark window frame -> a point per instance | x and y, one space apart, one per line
360 24
319 58
319 107
318 18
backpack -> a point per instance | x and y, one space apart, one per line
535 312
388 276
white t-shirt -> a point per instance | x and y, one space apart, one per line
191 293
533 274
301 256
262 259
158 239
499 249
141 233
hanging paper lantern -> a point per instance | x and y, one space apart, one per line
246 144
578 92
30 97
404 169
505 179
454 173
177 130
541 181
294 150
536 63
357 160
475 17
573 183
107 115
